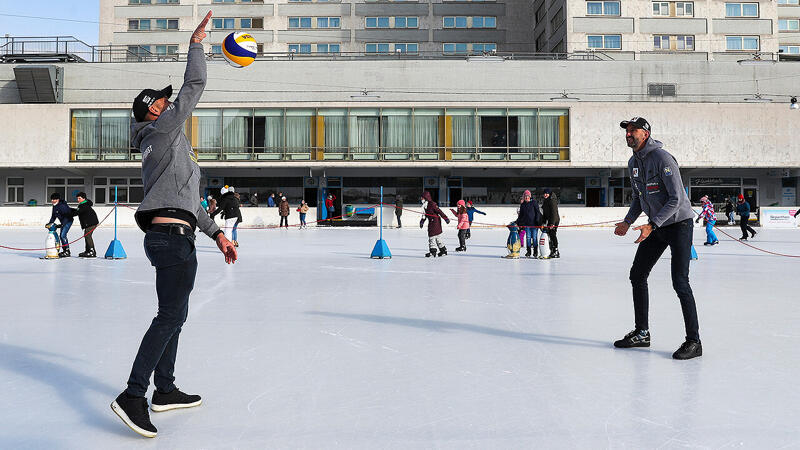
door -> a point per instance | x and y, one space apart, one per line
454 195
594 197
751 196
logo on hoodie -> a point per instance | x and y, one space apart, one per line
667 171
146 152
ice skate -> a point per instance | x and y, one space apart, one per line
460 249
528 253
443 251
64 253
133 411
88 254
431 253
173 400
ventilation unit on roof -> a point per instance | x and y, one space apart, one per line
662 89
40 84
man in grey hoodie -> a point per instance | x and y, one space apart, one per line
658 191
168 215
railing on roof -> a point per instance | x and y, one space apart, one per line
21 49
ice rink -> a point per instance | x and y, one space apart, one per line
307 343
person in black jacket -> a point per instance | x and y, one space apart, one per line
398 210
63 213
228 209
88 220
551 220
529 218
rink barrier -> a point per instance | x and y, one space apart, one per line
68 243
746 244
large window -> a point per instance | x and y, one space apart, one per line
605 41
67 187
384 47
391 22
469 22
602 9
508 190
741 43
673 9
461 48
791 25
741 9
128 190
229 23
399 133
788 2
789 49
672 42
15 192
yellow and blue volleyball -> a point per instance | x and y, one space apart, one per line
239 49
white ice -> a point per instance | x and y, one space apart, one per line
307 343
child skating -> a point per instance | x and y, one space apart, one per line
471 210
463 225
63 213
709 220
434 216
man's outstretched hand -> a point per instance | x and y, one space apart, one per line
200 32
227 248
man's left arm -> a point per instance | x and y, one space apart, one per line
206 224
671 178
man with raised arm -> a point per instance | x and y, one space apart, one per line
168 215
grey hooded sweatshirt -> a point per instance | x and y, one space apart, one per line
657 186
170 172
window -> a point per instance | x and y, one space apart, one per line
465 49
328 22
100 134
16 190
661 89
139 25
602 9
129 190
166 24
223 23
328 48
788 2
484 22
377 48
166 49
789 25
668 42
789 49
406 48
605 41
299 48
737 43
681 9
299 22
455 22
741 9
216 49
67 187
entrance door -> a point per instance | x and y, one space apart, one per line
454 195
594 197
751 196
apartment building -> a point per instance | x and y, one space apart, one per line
703 30
441 27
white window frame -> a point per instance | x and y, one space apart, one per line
788 2
790 49
66 186
741 10
673 38
741 40
604 37
788 29
603 8
684 4
300 23
19 190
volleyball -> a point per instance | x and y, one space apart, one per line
239 49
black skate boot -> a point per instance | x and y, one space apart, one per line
431 253
468 234
64 253
636 338
753 234
536 251
88 254
555 254
133 411
443 251
528 253
460 249
173 400
689 350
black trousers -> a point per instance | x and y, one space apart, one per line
462 237
551 234
743 224
175 260
678 237
284 222
399 223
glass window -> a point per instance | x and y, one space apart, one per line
335 22
372 22
594 8
461 22
237 127
383 22
789 2
207 123
595 41
613 41
294 22
305 22
399 22
611 8
789 25
247 23
477 22
144 24
749 9
322 22
412 22
268 133
216 49
449 22
660 8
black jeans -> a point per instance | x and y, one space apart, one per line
399 223
175 261
551 234
284 222
462 237
745 227
678 237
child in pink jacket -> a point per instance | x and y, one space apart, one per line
463 225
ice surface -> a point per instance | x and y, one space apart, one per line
307 343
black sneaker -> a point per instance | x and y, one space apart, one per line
173 400
133 411
689 350
636 338
528 253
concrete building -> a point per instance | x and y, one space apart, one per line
483 128
320 26
704 30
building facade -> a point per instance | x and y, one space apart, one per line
483 129
346 27
703 30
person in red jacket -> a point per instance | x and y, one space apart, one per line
434 216
330 207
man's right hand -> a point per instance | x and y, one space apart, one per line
622 228
200 32
227 248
